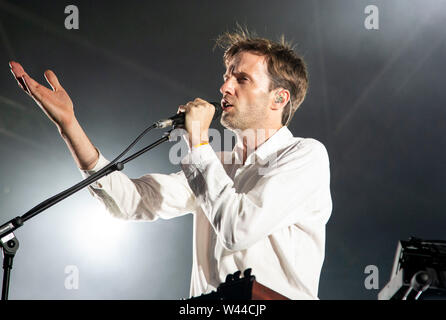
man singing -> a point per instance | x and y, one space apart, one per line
262 206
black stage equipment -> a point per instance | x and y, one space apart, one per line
419 271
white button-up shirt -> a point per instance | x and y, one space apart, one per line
268 214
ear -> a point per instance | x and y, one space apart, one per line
280 97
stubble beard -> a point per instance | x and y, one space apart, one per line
235 120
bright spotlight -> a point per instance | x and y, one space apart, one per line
98 234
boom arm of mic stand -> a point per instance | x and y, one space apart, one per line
9 243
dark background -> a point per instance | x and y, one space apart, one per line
376 101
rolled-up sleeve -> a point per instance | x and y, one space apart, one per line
149 197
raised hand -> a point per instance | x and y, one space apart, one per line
56 103
58 107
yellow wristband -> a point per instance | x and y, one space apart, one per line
200 144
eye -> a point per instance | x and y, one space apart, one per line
242 79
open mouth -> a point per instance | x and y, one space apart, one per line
226 105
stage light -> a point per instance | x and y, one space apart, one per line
98 234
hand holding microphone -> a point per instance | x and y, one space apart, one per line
179 118
195 117
198 117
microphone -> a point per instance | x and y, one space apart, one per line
178 119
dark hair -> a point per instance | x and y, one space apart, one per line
286 69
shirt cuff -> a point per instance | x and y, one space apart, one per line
102 162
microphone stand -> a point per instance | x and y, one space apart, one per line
10 244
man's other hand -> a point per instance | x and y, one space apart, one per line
56 103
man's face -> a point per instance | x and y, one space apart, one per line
246 90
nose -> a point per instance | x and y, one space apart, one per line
227 87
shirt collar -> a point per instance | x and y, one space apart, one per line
274 143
